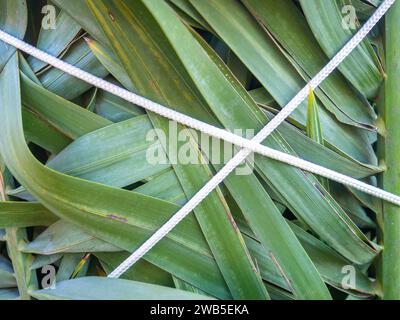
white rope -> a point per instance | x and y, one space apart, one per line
264 133
248 145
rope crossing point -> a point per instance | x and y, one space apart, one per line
248 146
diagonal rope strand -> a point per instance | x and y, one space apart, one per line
248 145
261 136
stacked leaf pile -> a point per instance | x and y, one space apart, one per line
78 193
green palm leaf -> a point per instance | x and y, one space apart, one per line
79 193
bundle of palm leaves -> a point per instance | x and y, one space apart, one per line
79 194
